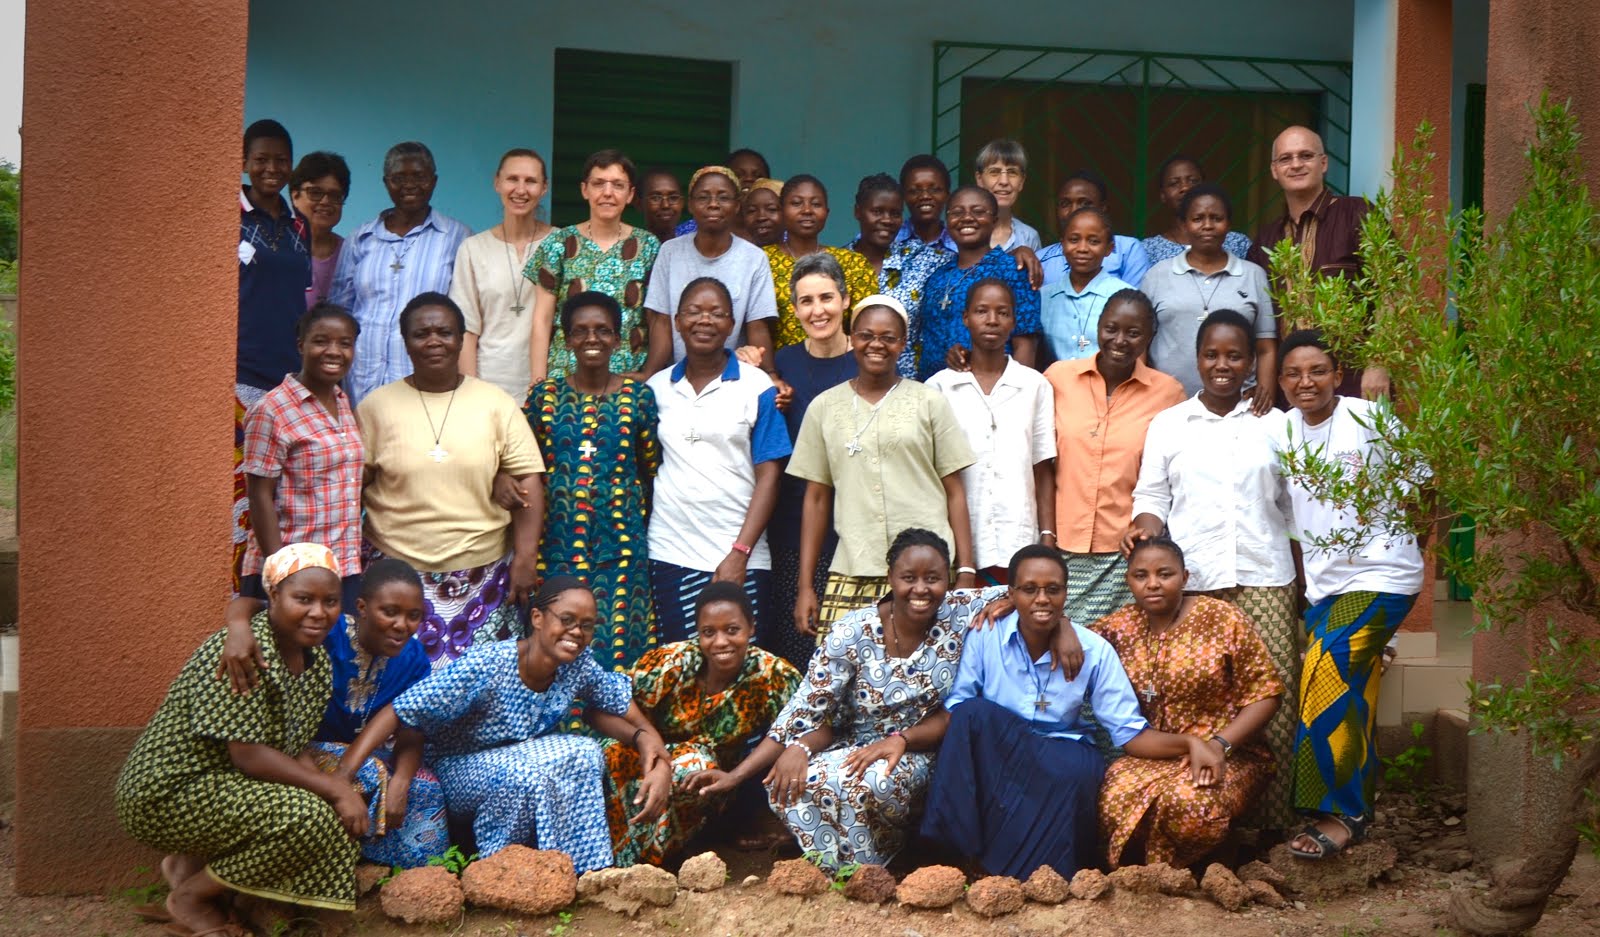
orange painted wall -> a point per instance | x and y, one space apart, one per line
127 301
1424 81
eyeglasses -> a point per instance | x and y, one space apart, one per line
882 338
1002 172
1289 159
1316 374
717 198
603 332
1053 590
978 211
572 623
714 315
659 199
313 195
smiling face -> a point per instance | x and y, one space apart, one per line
1073 195
990 316
1157 577
267 164
748 167
919 579
762 217
1309 378
713 203
304 606
925 195
387 619
327 349
1299 163
1004 181
1125 333
970 218
433 341
1206 222
566 627
880 218
1086 243
520 183
1225 358
724 635
321 201
411 184
877 338
1039 593
592 336
805 211
608 192
661 201
819 304
1179 177
704 319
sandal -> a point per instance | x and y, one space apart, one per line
1356 827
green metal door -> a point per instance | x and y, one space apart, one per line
1123 113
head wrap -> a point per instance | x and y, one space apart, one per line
880 299
293 558
732 176
771 185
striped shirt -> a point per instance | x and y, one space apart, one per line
378 273
316 458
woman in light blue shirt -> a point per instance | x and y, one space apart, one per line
1017 781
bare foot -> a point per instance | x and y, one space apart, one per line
194 904
177 869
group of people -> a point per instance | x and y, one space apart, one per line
1014 526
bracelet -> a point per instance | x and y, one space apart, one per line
1227 746
635 740
960 570
743 549
1048 533
805 748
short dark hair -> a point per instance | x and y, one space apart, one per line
1136 298
267 129
324 310
1158 542
985 194
875 184
990 281
916 537
321 163
1205 190
605 159
1174 160
698 282
795 182
647 174
586 300
924 161
1105 219
731 592
1305 338
766 168
1221 318
381 572
431 298
1036 551
1089 176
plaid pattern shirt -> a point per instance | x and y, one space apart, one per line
316 458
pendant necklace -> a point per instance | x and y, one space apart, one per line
517 281
401 249
1102 419
1080 320
944 304
1205 298
854 445
1154 689
438 453
1040 704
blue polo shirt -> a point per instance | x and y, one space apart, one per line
1128 262
1071 319
274 274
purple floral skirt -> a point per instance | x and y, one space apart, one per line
463 607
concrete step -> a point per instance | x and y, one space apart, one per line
1422 685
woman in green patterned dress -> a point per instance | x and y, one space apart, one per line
216 780
600 254
707 697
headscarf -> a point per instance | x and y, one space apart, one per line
771 185
880 299
732 176
293 558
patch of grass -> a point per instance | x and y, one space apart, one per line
8 458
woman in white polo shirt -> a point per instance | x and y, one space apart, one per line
722 442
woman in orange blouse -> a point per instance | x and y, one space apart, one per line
1199 669
1103 406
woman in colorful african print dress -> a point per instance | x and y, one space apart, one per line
214 780
1199 670
597 434
804 203
491 720
375 658
708 696
859 735
601 254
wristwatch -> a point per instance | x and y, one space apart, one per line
1227 746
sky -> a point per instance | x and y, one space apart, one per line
10 80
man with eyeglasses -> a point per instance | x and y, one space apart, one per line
1327 226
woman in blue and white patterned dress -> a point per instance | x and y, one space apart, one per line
491 721
862 730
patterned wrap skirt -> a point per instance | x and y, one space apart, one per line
844 594
1335 766
1097 585
463 607
421 836
784 638
1271 610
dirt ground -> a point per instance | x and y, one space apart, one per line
1412 906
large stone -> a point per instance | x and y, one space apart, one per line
1223 887
797 877
1263 893
934 886
649 884
523 880
429 895
1089 884
1046 886
1157 878
705 872
1258 871
1351 871
872 884
995 895
595 881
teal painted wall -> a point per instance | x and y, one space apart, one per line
836 88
